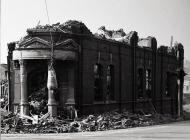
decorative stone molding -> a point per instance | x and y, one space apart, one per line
44 54
37 48
68 44
38 43
35 42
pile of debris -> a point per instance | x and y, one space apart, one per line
103 32
38 101
15 123
70 26
117 35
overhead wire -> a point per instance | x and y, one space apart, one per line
52 80
52 47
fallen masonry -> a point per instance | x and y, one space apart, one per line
15 123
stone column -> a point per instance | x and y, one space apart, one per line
16 86
52 103
24 108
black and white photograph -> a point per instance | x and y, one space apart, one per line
94 69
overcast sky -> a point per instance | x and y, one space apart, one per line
158 18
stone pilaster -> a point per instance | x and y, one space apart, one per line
71 99
24 108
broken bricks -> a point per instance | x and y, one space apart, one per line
14 123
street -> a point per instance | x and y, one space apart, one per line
174 131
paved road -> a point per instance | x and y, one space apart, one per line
174 131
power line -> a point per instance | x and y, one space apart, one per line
52 50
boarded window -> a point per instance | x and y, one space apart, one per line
110 82
140 83
98 82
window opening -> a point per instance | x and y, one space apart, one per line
148 83
110 82
98 82
167 84
140 83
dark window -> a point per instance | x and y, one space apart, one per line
110 82
167 84
140 83
177 54
148 83
98 82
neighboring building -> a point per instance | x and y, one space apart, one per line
3 85
96 73
3 72
186 88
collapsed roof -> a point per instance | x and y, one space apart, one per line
79 28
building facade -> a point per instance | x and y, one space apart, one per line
96 73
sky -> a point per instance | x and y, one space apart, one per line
159 18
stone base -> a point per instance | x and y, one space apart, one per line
16 108
52 109
70 102
24 109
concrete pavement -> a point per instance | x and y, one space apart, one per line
173 131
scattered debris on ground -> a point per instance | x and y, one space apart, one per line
15 123
40 122
186 111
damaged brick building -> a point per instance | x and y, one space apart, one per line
95 72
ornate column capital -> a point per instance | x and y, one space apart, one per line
16 64
22 62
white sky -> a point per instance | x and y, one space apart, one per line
159 18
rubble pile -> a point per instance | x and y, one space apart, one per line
78 27
14 123
38 101
117 35
103 32
70 26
